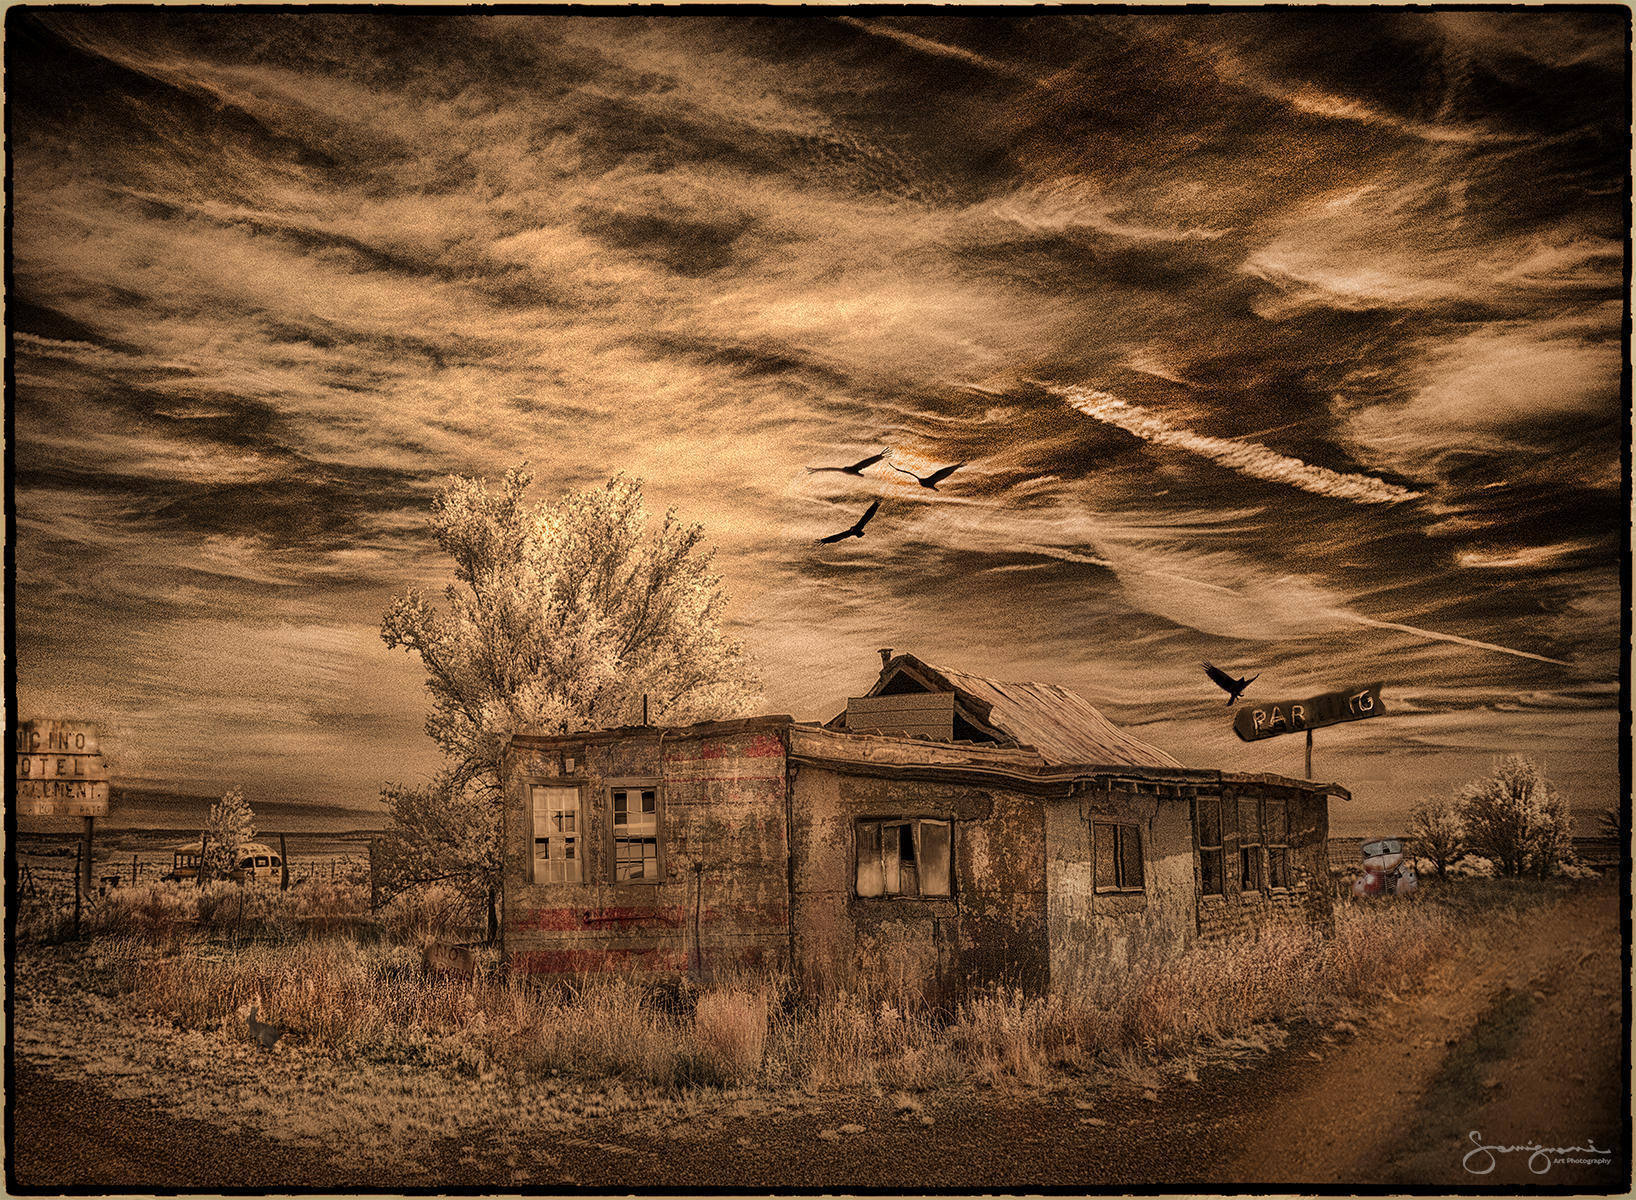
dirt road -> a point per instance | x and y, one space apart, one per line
1516 1035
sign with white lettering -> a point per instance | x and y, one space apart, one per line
58 770
1257 721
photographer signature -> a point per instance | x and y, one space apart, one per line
1540 1158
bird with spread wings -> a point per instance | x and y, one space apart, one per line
857 528
1233 687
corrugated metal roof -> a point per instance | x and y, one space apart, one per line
1062 725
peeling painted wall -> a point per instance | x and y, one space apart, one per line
720 900
990 930
1093 931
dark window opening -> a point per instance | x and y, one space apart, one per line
1117 856
904 858
1249 845
1207 840
1277 832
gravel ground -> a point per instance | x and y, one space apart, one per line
1516 1033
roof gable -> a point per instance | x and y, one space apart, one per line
1062 725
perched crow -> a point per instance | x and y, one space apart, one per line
1233 687
932 480
857 529
856 468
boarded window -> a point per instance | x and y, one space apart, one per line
635 834
1277 832
904 858
556 834
1249 845
1117 853
1207 840
935 848
871 875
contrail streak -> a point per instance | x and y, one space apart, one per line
1247 458
1448 637
942 49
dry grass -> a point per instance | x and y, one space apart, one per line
371 999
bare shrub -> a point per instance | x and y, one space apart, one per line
435 912
730 1031
158 912
323 905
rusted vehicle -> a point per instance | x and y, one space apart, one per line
257 863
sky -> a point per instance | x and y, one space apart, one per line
1289 341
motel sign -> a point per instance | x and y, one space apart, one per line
1257 721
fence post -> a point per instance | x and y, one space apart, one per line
204 847
133 870
79 855
284 858
374 879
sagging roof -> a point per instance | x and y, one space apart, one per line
1061 725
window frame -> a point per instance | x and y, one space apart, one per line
610 842
1201 848
1121 831
579 836
1277 850
1250 842
917 841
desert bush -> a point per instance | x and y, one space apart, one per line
329 904
373 1000
154 911
1436 832
730 1031
434 912
1516 818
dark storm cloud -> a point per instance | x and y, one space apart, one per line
1289 339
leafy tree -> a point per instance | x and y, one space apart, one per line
562 616
1434 825
1517 819
230 825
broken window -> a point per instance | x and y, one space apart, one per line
1249 845
904 858
1207 839
635 834
556 834
1117 853
1277 827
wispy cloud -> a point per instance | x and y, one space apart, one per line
1247 458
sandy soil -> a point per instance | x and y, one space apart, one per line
1517 1035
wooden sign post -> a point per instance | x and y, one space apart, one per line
1254 722
60 772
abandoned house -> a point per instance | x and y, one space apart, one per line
946 830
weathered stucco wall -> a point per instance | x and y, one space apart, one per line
990 930
1307 898
721 897
1091 931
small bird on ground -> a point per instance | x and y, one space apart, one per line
264 1033
932 480
857 529
856 468
1233 687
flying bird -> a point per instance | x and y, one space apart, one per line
857 529
1233 687
932 480
856 468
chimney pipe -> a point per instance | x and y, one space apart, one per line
885 656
